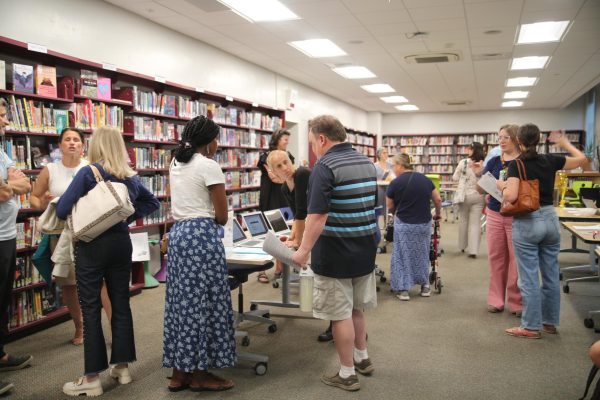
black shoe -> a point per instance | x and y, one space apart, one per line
326 336
5 387
15 362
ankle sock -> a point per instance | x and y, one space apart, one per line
346 372
360 355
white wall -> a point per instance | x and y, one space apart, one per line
571 117
101 32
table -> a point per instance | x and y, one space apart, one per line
587 237
564 215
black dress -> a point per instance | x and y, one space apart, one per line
298 198
271 196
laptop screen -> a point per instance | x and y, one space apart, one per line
256 224
276 220
238 233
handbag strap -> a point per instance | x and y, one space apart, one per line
522 171
96 173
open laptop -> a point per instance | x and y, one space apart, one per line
256 224
277 222
240 239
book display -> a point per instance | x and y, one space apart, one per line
47 91
440 153
363 142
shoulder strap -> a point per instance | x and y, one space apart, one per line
522 171
96 173
591 376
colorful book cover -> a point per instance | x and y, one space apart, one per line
45 80
61 120
89 83
22 78
2 75
104 89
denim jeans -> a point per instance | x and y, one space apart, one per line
536 241
106 258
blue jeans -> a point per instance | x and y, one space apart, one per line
536 241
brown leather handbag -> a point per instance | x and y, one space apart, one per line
528 199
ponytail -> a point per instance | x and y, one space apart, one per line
529 137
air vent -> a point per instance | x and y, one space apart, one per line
432 58
457 102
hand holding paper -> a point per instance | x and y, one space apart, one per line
275 247
488 183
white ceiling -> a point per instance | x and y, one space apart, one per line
383 29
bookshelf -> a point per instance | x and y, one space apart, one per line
440 153
364 142
151 114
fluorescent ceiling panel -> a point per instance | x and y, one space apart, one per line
378 88
354 72
512 104
517 94
407 107
521 81
318 48
260 10
394 99
533 62
542 32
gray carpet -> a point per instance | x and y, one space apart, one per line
444 347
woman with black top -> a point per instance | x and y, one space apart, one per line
536 235
271 196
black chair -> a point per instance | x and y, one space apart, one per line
238 275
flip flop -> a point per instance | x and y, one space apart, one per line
262 278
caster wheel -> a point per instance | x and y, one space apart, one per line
245 341
260 368
253 307
566 288
383 279
383 250
442 251
588 323
275 285
438 285
560 276
266 315
377 288
272 329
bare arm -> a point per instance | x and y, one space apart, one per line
219 200
314 226
18 181
509 188
389 204
40 197
6 192
437 200
298 227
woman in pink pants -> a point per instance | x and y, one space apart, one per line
503 266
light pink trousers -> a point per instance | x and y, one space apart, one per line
503 265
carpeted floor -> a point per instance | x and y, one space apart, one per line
443 347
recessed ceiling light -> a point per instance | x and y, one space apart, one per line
378 88
318 48
260 10
521 81
512 104
394 99
542 32
517 94
532 62
407 107
354 72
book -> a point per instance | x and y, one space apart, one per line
104 89
2 75
45 80
22 78
66 87
89 83
61 119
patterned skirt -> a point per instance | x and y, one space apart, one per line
198 326
410 256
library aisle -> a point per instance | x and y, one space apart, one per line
443 347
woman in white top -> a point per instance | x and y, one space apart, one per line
471 201
52 182
198 325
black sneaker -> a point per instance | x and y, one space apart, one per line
15 362
5 387
351 383
326 336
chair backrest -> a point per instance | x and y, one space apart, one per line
577 185
435 178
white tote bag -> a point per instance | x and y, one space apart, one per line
104 206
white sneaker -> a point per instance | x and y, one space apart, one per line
82 388
403 295
121 374
425 291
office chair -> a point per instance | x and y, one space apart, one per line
238 274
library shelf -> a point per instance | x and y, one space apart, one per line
242 188
238 168
228 146
116 102
144 170
244 208
145 226
227 125
55 317
35 96
158 115
30 286
153 141
26 133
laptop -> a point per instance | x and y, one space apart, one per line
256 224
277 222
240 239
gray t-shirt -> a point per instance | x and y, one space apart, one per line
8 209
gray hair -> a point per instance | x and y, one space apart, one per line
402 159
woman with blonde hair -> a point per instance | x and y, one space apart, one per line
52 182
106 258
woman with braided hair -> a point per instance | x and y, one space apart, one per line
198 325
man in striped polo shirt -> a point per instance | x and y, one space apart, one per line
340 237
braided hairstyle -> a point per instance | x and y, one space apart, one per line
529 137
198 132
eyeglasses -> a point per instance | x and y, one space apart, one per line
506 138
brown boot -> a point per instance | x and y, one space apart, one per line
205 381
180 380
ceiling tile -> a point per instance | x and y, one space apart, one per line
496 13
436 13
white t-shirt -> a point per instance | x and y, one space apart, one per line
190 197
60 177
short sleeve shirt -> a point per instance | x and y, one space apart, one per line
543 168
494 166
8 209
411 192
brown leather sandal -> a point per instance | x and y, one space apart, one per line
204 381
180 380
262 277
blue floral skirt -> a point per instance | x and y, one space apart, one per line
198 326
410 256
